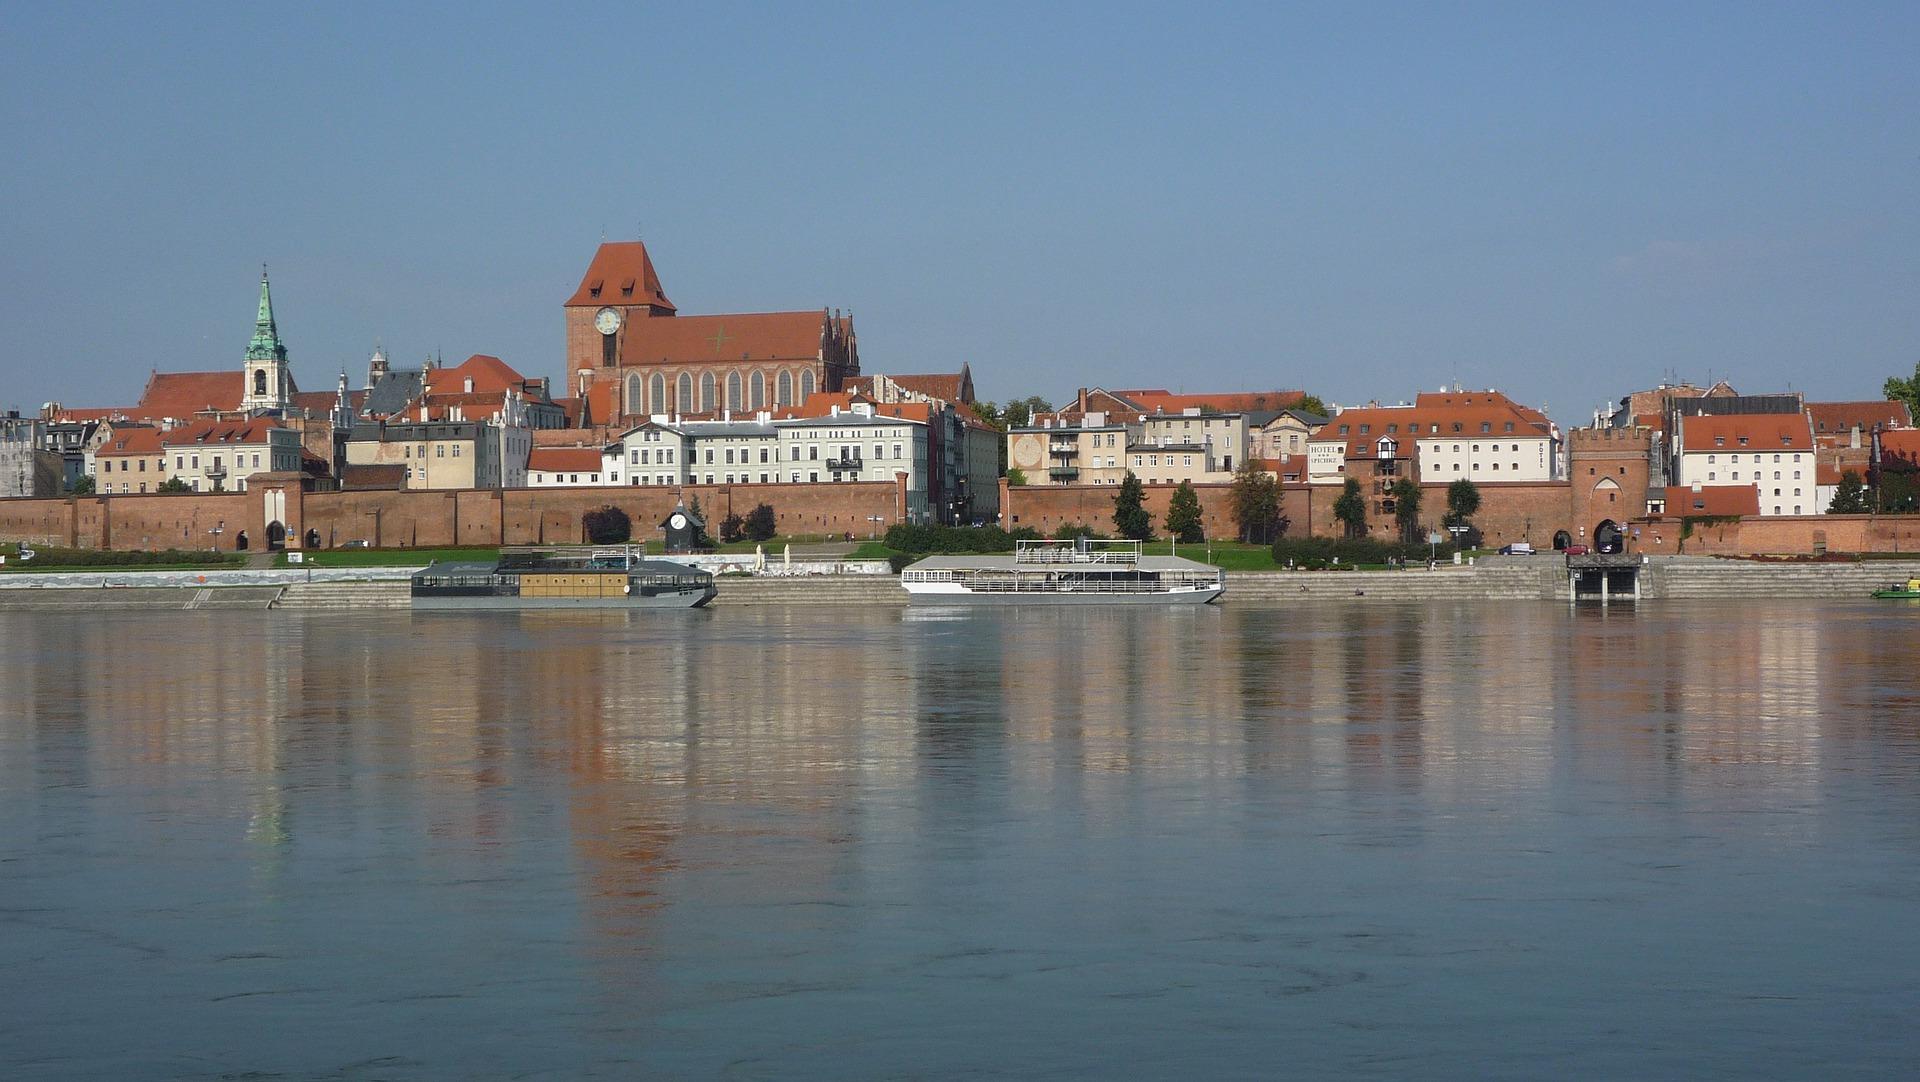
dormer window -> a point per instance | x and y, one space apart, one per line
1509 426
593 287
1343 430
626 288
1719 441
1743 441
1457 428
1486 426
1364 428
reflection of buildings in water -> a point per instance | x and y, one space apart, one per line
727 727
1750 695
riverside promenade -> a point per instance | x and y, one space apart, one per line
1505 579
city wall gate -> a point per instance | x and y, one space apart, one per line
1605 576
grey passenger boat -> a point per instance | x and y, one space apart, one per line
1078 572
610 578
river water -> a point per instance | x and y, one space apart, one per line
1495 841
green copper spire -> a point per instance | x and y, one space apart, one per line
266 336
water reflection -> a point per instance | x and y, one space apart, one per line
790 839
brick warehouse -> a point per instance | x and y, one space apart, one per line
240 522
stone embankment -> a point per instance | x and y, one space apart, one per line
1677 578
1538 578
346 595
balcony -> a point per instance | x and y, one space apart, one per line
1064 473
1063 450
844 464
216 471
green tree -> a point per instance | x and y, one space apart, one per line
1256 504
1016 476
1850 497
761 525
1463 502
1906 390
1129 510
1406 507
989 413
1183 515
701 539
1312 404
82 486
174 484
1351 508
1019 412
732 528
608 526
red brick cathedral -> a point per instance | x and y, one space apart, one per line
632 354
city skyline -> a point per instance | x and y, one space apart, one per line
1361 206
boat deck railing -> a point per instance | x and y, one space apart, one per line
1078 551
1014 583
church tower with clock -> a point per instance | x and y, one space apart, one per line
269 382
632 355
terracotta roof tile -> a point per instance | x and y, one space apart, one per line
754 336
1754 431
180 395
130 440
1712 500
1839 418
623 273
565 459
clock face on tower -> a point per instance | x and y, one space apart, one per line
678 522
606 320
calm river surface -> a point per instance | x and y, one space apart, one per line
1496 841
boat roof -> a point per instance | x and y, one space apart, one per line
1006 562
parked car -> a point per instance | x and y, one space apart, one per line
1575 550
1518 548
357 544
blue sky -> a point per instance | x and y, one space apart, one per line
1563 201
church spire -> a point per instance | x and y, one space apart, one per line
266 345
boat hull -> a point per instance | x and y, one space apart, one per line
1039 598
692 599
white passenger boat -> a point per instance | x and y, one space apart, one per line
1063 573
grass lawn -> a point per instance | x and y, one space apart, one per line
388 557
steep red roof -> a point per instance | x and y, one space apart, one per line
945 387
1838 419
182 394
621 273
1158 401
1753 431
251 430
753 336
356 478
105 413
565 459
1712 500
321 403
1471 415
488 373
1902 444
130 440
1827 473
